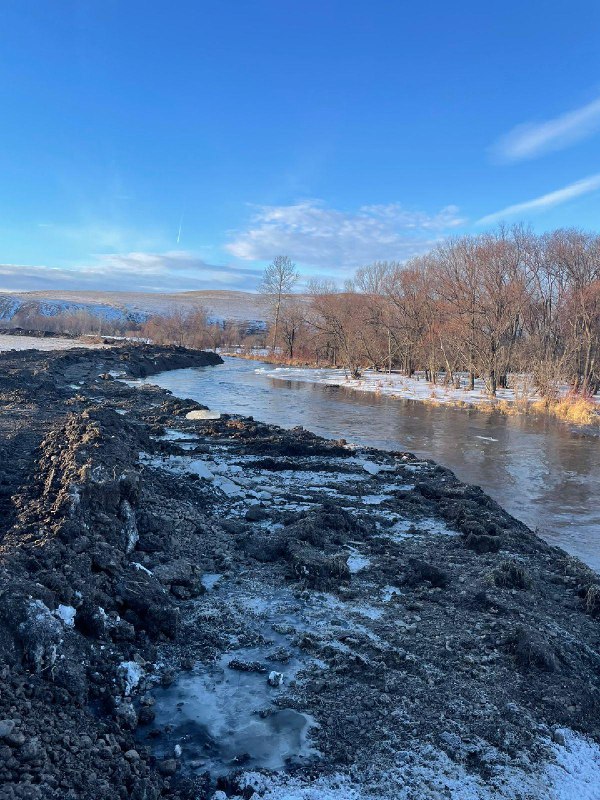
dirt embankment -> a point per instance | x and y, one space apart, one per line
193 606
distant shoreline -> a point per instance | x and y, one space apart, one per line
521 399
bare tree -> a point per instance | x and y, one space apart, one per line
279 279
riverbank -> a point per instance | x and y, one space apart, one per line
196 605
520 399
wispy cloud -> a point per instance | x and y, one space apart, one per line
549 200
317 236
533 139
139 272
95 235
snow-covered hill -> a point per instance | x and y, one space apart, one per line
135 306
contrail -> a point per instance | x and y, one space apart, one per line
179 231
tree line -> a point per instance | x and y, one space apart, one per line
492 306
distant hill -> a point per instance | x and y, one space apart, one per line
134 306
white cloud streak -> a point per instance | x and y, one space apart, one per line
531 139
139 272
577 189
317 236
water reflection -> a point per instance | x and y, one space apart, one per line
540 470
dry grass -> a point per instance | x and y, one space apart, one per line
574 408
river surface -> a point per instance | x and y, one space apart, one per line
544 472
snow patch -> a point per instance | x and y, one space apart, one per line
356 562
203 414
132 672
210 579
67 615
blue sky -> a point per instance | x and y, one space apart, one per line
175 146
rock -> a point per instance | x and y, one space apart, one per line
146 715
126 715
177 572
15 739
558 736
167 766
144 595
31 750
132 755
167 678
6 727
147 700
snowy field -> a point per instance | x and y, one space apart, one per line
395 385
8 342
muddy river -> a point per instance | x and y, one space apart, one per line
544 472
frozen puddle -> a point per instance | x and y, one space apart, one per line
406 528
222 718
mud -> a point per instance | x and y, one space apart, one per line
194 606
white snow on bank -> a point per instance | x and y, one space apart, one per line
396 385
8 342
576 773
336 787
429 774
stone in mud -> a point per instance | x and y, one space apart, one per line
150 603
146 715
167 766
324 525
472 527
127 716
265 548
178 573
7 726
106 559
